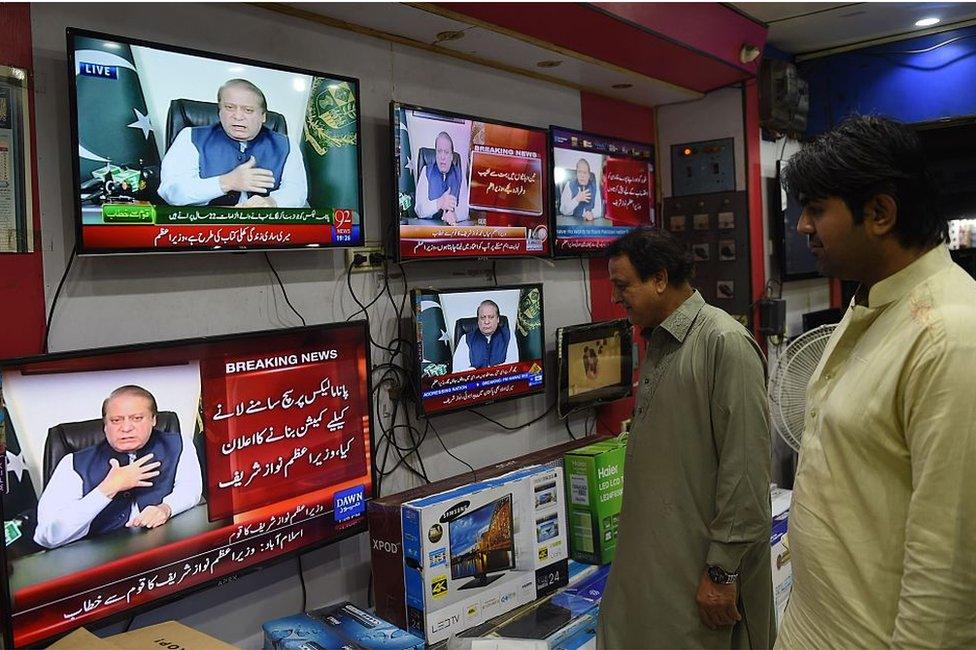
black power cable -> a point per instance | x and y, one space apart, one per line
57 293
301 577
517 427
283 291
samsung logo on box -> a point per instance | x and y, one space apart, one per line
98 70
454 511
350 503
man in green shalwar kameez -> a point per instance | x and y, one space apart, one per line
692 566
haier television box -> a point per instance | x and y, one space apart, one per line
483 549
386 530
595 485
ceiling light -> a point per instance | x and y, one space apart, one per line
928 22
749 53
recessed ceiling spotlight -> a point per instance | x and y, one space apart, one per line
622 86
549 63
928 22
449 36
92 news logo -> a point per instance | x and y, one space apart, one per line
342 221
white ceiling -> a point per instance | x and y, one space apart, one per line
807 27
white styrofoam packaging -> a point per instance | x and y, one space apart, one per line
780 551
483 549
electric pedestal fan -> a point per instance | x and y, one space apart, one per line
788 385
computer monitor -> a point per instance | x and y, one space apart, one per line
478 346
483 542
136 474
596 364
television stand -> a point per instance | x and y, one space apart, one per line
481 581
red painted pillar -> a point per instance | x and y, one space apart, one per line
750 115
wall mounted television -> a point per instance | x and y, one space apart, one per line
602 188
136 474
482 542
467 186
161 166
478 346
596 364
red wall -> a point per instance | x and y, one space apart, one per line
21 275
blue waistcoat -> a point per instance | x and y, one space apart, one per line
583 206
219 154
92 466
483 352
438 183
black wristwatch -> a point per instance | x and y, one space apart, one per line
719 576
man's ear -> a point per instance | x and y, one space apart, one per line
881 214
660 280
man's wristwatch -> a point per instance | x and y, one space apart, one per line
719 576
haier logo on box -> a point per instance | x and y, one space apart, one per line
350 503
98 70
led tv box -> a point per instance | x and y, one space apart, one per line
483 549
250 448
183 150
337 626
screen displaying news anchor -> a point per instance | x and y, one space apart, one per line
186 150
468 187
478 345
136 473
602 188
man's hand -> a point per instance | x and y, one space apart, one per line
247 177
258 201
716 603
151 516
588 215
582 196
449 217
447 201
135 474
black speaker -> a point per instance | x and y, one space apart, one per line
772 317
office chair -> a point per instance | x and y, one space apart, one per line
189 112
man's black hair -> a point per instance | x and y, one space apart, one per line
651 250
865 156
131 389
244 83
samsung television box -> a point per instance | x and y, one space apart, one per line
595 485
337 626
780 551
386 530
483 549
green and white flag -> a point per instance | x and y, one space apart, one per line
435 339
528 329
329 145
406 186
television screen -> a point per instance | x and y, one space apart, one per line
602 189
481 541
596 364
468 187
137 473
477 346
180 150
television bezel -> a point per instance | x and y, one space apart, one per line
6 617
511 528
607 394
552 183
72 32
421 412
544 219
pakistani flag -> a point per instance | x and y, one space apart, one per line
19 498
435 339
113 122
528 329
329 145
406 188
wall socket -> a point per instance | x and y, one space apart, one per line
373 259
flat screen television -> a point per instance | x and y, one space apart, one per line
468 186
796 262
596 364
602 188
138 473
478 346
482 542
181 150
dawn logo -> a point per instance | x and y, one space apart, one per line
350 503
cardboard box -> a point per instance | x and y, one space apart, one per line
483 549
595 486
780 551
153 637
337 626
386 532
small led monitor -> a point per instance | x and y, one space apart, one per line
136 474
468 186
595 364
602 188
482 542
183 150
478 346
